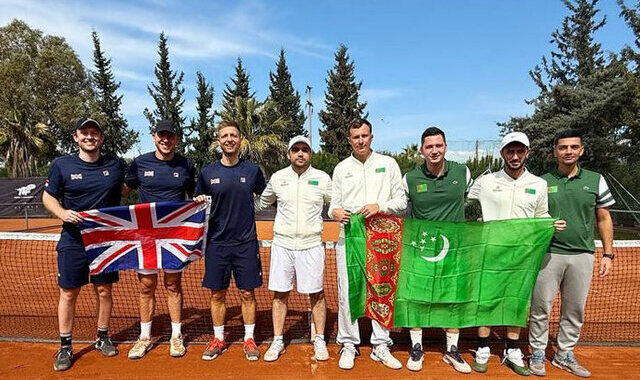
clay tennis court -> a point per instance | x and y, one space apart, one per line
28 312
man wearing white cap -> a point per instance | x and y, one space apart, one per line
510 193
300 191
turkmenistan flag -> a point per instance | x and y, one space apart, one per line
417 273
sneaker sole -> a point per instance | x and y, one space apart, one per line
375 357
558 365
276 358
451 362
209 358
178 354
321 358
513 368
414 367
479 369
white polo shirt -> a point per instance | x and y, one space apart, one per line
377 180
502 197
298 223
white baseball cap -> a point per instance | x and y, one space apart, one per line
514 137
299 139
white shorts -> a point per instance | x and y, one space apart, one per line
154 271
306 265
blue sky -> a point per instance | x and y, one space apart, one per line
461 65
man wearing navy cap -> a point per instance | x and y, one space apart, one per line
78 182
161 175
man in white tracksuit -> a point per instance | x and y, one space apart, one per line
297 250
510 193
367 183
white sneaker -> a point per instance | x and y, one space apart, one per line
454 358
275 350
176 347
347 357
381 353
320 349
514 355
140 348
416 357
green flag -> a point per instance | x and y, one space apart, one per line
417 273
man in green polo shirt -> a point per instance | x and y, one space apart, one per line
582 198
436 190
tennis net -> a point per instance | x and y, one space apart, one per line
29 296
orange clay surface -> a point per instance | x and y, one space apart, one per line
35 360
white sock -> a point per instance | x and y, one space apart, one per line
320 336
176 329
452 340
248 331
277 337
145 330
416 337
218 331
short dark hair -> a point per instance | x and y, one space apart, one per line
567 133
357 123
433 131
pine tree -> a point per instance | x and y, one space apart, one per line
119 138
201 131
578 90
341 105
167 94
239 89
286 102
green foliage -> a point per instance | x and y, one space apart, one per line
258 144
201 132
286 102
341 105
167 94
580 90
239 89
119 138
325 161
44 91
483 164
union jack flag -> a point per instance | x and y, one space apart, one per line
162 235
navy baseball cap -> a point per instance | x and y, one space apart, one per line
87 121
166 126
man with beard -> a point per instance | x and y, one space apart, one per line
232 242
297 250
80 182
510 193
582 197
436 190
162 175
366 183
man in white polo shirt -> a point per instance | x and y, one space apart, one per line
367 183
297 250
510 193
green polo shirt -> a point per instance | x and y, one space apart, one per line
438 198
575 200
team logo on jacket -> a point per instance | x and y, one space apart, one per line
148 173
215 181
105 173
176 174
243 179
76 176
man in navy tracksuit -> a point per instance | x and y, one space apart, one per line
78 182
161 175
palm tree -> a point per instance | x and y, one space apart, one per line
23 144
259 142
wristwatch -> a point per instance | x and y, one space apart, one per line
609 255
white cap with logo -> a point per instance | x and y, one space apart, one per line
299 139
514 137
